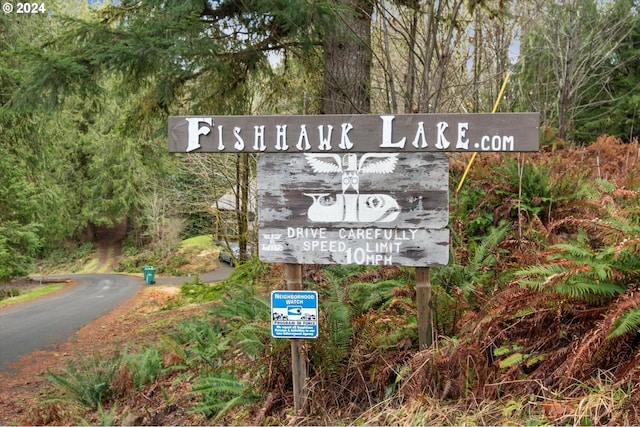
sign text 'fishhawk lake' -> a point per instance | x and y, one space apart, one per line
517 132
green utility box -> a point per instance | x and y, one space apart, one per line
149 274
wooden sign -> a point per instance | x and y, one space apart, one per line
358 133
370 209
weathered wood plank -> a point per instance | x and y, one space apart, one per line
356 133
291 193
393 211
410 247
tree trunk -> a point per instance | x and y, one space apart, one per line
444 58
411 104
242 202
567 74
347 60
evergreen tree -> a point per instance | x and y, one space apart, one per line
24 197
171 57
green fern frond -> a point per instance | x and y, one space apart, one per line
366 296
244 305
629 322
251 338
175 346
205 341
483 254
571 252
578 272
88 382
145 365
536 276
604 185
590 291
477 271
219 384
220 393
333 347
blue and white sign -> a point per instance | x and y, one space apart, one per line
294 314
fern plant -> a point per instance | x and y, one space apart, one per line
628 323
473 204
474 271
581 274
221 392
87 381
246 315
367 296
596 276
145 365
335 331
206 341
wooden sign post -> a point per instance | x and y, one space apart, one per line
293 277
355 189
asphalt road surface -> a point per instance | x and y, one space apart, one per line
51 320
48 321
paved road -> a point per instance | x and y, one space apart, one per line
47 321
217 275
44 322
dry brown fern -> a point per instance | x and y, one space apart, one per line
369 276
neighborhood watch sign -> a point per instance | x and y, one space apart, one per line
514 132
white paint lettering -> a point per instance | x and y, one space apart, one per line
307 232
345 142
194 131
496 142
239 145
420 141
258 139
281 138
463 141
220 142
325 143
483 141
303 138
508 140
442 142
387 134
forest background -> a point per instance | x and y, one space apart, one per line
86 89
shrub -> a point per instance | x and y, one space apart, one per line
9 293
87 381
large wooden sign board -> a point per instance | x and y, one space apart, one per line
354 189
364 133
367 209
